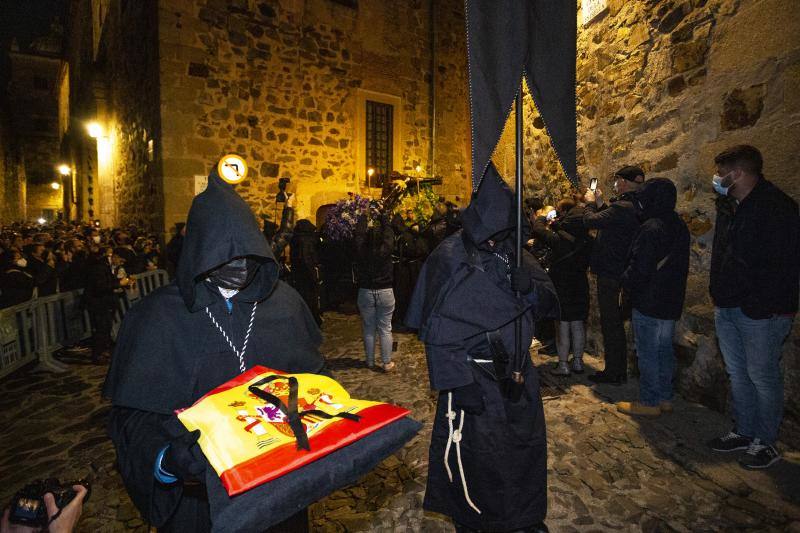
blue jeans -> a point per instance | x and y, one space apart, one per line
751 350
656 357
376 307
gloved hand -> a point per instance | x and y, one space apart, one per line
469 398
521 280
184 459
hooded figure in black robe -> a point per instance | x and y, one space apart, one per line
465 307
170 352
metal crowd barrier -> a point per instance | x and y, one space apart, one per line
36 329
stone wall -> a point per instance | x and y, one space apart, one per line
33 119
284 84
133 112
43 201
12 176
667 84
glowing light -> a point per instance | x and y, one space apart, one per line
95 129
419 169
40 220
64 170
55 185
370 172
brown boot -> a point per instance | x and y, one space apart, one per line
637 409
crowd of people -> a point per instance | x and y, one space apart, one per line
638 247
41 260
456 283
377 267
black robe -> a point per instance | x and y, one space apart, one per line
169 353
462 294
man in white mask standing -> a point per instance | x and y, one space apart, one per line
755 264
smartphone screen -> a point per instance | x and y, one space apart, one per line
593 184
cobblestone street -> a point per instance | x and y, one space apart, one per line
607 471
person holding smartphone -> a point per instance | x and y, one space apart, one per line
617 223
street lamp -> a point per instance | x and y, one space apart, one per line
63 169
95 129
55 185
370 172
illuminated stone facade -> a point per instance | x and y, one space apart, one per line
286 83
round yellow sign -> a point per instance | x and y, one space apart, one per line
232 168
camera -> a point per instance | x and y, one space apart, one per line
282 183
28 507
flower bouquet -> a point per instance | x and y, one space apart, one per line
342 218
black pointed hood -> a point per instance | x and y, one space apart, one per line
491 209
220 227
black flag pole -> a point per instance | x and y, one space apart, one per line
518 359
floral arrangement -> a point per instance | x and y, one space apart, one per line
340 223
341 220
422 204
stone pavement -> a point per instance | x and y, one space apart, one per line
607 472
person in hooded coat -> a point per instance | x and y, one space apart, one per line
570 245
410 249
304 256
655 280
225 312
488 453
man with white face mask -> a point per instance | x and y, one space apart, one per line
755 264
16 283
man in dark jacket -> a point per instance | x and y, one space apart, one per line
656 281
374 242
410 250
755 266
304 255
101 297
617 224
225 312
42 266
488 454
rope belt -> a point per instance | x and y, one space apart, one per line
239 353
454 436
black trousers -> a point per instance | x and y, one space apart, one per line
102 320
612 325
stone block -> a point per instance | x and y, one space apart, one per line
686 56
182 167
791 89
676 85
742 107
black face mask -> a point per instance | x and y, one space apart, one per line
235 274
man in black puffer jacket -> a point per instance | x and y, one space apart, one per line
618 224
656 280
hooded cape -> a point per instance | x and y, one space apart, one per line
169 353
464 292
455 298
